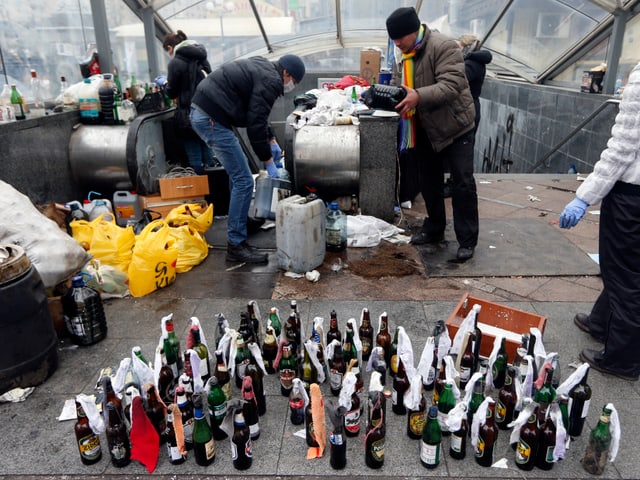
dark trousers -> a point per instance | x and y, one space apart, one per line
619 244
464 197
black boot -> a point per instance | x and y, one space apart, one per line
243 252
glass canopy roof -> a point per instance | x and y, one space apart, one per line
537 41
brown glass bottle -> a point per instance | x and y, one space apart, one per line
337 369
117 437
416 419
544 459
110 396
254 372
186 410
269 349
250 408
458 445
393 355
221 372
297 325
246 329
155 411
439 384
467 362
499 367
254 322
87 441
579 400
334 331
477 342
241 443
242 360
173 450
527 448
376 430
352 417
400 386
507 399
383 338
166 382
366 334
487 438
203 354
287 368
310 434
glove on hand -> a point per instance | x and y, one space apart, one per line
161 81
272 170
572 213
276 153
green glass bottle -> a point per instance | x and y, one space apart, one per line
203 354
499 367
445 403
175 343
203 444
274 319
430 444
242 359
547 393
217 401
477 397
17 102
597 451
308 370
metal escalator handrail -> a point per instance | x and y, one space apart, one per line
555 148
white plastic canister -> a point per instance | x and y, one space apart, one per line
126 206
300 230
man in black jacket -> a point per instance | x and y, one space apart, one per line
241 94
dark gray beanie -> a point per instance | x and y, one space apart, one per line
402 21
294 65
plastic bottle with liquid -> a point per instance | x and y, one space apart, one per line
84 313
106 95
89 103
335 229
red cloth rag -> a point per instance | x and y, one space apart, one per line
145 441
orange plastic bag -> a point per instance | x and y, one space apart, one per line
192 247
191 214
111 243
153 263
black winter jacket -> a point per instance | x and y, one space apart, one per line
475 69
183 74
241 94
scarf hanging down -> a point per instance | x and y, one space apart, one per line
407 122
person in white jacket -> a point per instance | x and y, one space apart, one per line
615 182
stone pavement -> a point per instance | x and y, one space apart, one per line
36 444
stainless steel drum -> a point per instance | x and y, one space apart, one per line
120 157
327 160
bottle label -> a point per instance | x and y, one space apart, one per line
394 396
219 412
585 408
417 421
174 452
187 427
336 438
501 411
431 376
523 452
549 456
393 363
465 374
366 345
377 450
76 325
286 378
241 368
352 420
254 429
456 443
296 404
429 454
210 449
118 450
480 447
333 237
89 446
335 379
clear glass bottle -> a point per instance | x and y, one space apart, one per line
335 229
37 95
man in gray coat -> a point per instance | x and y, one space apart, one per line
437 126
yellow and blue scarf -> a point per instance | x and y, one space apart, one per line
407 122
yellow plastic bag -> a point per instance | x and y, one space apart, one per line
82 231
192 247
153 264
191 214
111 243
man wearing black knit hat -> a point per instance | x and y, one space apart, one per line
241 94
437 122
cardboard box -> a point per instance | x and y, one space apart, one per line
157 204
369 64
495 319
196 186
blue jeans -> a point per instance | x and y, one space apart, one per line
198 153
226 147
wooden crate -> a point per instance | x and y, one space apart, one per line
196 186
495 319
157 204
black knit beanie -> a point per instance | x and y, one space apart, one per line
402 21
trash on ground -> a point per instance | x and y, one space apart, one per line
312 276
16 395
293 274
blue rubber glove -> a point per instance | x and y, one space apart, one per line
276 153
572 213
161 81
272 170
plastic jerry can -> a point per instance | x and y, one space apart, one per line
97 207
269 191
126 206
300 233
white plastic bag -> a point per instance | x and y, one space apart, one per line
368 231
54 253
